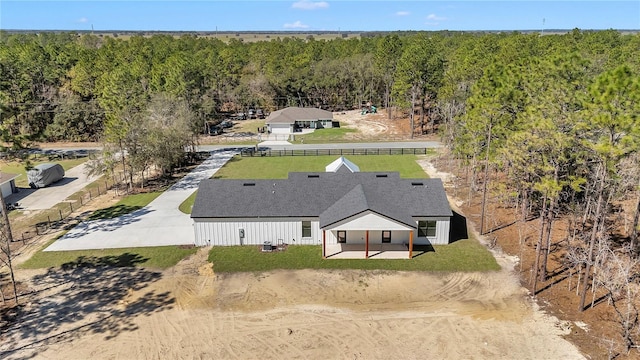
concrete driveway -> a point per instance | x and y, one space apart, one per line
41 199
158 224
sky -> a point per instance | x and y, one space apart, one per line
317 15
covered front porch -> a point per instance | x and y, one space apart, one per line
369 247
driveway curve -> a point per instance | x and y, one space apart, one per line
158 224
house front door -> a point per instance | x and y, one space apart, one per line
342 237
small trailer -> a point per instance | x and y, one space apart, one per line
44 174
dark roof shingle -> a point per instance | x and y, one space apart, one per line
330 196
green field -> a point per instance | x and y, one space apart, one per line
323 136
160 257
279 167
463 255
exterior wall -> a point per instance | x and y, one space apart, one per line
280 128
7 188
226 232
442 232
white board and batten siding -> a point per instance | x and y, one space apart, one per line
226 232
442 232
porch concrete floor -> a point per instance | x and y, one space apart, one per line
376 251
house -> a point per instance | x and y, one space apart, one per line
8 183
327 208
293 119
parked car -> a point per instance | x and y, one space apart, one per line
216 130
260 114
252 114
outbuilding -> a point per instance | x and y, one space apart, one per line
8 183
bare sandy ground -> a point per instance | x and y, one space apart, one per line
190 312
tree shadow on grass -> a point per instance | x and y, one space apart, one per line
87 296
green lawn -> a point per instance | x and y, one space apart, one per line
160 257
323 136
17 167
463 255
186 205
279 167
127 205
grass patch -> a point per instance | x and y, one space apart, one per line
127 205
17 167
186 205
463 255
324 135
279 167
160 257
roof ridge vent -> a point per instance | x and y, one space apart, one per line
416 183
249 184
381 175
313 176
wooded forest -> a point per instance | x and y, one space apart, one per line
549 121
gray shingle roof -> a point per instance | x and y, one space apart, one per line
330 196
291 114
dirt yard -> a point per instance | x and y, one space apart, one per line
373 126
191 312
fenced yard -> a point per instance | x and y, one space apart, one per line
251 152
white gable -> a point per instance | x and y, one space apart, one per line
340 162
368 221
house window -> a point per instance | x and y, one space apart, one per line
427 228
342 237
386 236
306 229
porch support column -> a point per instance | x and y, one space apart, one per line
324 244
366 245
411 244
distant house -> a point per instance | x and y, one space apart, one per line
293 119
342 206
7 183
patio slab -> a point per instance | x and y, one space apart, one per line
376 251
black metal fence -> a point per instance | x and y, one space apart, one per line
59 216
317 152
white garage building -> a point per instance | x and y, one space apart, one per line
290 120
8 184
328 208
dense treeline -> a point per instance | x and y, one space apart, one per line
555 116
